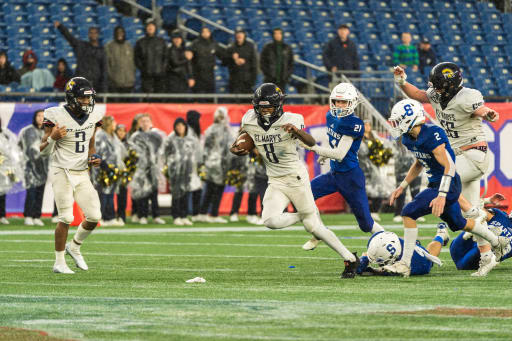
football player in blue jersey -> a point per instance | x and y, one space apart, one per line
385 248
430 146
467 254
345 131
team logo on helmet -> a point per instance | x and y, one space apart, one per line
448 73
70 85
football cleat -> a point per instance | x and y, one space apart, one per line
399 268
351 267
62 269
311 244
187 222
485 266
77 257
502 248
178 222
442 231
233 218
29 221
143 221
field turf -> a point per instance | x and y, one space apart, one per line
260 285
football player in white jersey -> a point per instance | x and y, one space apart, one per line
275 135
460 112
69 140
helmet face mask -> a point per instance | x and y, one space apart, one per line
346 93
405 115
268 96
384 248
77 89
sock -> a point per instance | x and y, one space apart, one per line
80 235
480 241
481 230
410 236
329 238
283 220
439 239
59 257
376 227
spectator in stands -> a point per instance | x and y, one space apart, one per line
194 131
179 70
204 50
62 75
8 73
218 139
11 170
426 54
151 60
122 195
32 76
340 53
90 56
120 63
406 54
29 61
257 182
242 62
276 60
135 127
36 168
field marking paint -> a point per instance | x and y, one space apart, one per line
103 230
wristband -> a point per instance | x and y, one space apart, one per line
487 201
404 184
442 194
445 184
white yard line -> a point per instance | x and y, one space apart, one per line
103 230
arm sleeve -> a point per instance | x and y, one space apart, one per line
337 153
69 37
473 100
48 120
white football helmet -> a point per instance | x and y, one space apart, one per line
344 92
405 115
384 248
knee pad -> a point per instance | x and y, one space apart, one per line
66 218
94 217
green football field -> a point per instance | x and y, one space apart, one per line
260 285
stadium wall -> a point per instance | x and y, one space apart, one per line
15 116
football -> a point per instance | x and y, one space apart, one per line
245 141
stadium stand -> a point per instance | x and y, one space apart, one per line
455 29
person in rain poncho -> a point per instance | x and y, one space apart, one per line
36 168
217 141
180 158
194 131
11 171
146 142
106 177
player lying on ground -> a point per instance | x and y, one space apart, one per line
345 131
430 146
468 254
69 140
274 133
385 248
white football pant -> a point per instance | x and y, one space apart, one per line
69 186
471 166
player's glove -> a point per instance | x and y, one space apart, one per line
399 75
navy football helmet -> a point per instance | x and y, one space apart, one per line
78 87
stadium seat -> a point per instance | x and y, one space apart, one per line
470 50
486 7
472 18
398 5
443 7
422 6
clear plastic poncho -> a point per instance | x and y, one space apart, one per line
112 152
216 155
11 163
145 179
34 164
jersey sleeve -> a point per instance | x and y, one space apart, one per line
435 138
299 122
472 101
500 215
351 127
49 118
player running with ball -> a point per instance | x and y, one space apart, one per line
275 135
69 140
430 146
